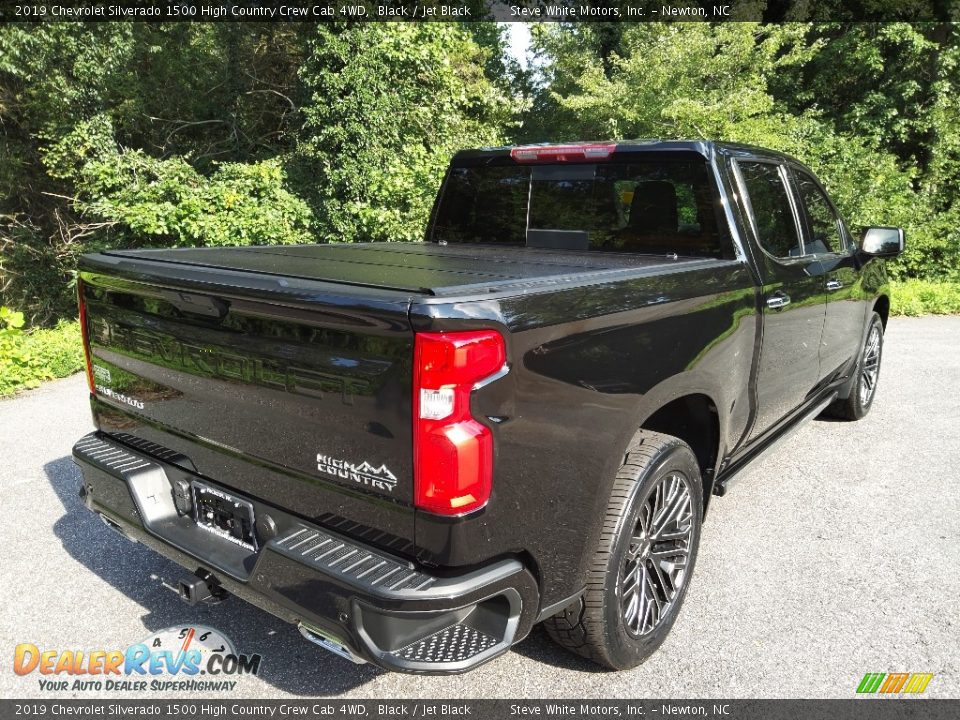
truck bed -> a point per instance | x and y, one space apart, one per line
421 268
286 373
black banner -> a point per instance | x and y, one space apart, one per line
479 10
855 709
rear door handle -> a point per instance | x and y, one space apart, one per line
778 300
834 284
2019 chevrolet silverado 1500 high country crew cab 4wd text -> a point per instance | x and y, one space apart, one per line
418 451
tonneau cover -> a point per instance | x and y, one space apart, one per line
426 268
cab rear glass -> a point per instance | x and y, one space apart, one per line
649 206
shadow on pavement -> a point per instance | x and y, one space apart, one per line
289 663
539 647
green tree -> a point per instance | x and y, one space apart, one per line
388 104
209 134
141 134
883 140
894 86
97 124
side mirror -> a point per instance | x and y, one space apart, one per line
882 241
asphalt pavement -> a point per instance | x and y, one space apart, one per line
836 555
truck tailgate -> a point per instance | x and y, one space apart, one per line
294 394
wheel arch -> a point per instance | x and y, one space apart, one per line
695 418
881 306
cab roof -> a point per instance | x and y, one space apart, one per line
601 150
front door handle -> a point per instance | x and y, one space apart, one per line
833 284
778 300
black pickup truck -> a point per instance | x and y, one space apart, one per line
417 451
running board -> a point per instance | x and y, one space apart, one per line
723 483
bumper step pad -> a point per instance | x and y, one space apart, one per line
329 554
454 644
109 456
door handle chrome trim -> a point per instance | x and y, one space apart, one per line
778 300
834 285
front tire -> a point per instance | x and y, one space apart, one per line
641 569
864 388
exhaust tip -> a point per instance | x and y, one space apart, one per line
115 526
329 644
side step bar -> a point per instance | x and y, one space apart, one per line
723 483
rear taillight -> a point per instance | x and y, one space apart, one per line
86 336
452 451
563 153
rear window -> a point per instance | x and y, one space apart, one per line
647 207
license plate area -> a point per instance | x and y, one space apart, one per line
224 515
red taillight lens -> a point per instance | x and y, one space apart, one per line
86 336
452 452
563 153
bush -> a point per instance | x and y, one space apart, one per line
27 358
924 297
157 135
167 203
389 103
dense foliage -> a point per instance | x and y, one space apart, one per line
213 134
28 358
925 297
201 134
874 109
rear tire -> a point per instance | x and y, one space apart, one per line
641 569
864 387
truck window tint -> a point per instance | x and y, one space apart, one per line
776 229
824 223
647 207
484 205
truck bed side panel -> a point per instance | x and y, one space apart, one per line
588 365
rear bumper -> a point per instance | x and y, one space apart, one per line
381 609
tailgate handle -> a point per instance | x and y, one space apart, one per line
203 305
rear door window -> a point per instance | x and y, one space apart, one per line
772 212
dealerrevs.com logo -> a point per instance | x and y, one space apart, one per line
894 683
193 658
